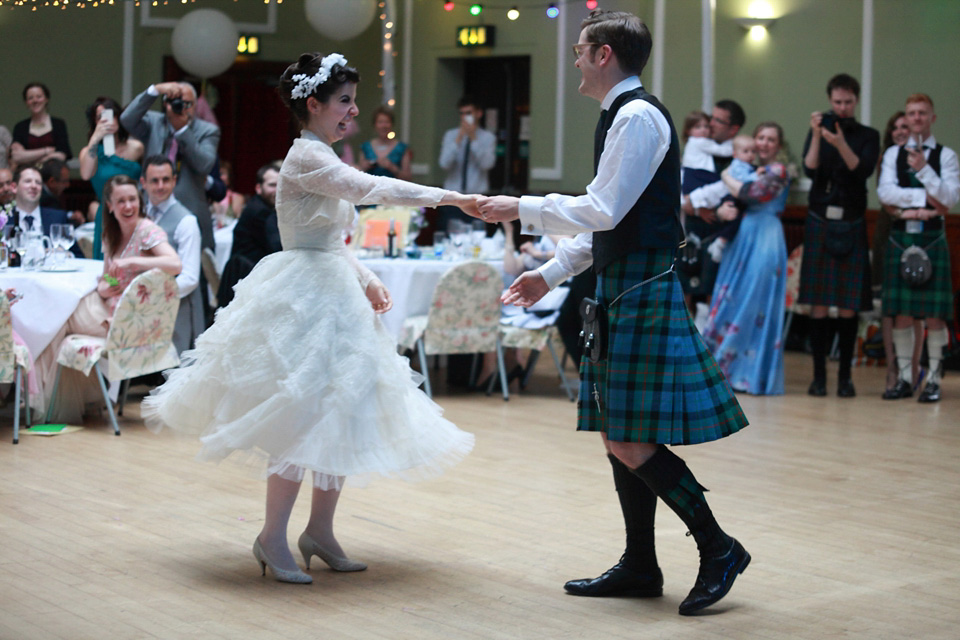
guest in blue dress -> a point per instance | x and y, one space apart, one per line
745 327
97 166
385 155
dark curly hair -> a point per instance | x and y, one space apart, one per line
309 64
107 103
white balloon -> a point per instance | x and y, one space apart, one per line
204 42
340 19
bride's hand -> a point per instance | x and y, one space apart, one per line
379 297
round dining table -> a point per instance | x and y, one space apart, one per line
49 298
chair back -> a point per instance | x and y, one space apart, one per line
139 340
464 314
86 246
208 262
794 262
402 216
8 359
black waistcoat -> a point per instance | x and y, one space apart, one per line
653 222
903 169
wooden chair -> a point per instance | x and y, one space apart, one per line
138 342
14 366
464 317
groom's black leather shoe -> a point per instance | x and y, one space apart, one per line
715 578
619 582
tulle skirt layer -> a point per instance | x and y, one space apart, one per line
299 372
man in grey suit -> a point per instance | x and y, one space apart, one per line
189 143
183 234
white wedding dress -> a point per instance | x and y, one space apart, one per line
298 370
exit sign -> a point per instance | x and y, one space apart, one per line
476 36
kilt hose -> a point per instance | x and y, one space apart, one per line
934 298
659 382
831 281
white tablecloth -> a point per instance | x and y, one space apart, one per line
411 284
48 299
223 238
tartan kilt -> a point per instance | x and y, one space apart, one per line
659 383
830 281
932 300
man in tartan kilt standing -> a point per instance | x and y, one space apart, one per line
838 156
921 181
656 383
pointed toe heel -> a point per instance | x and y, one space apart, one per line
281 575
310 547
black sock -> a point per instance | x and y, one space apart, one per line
819 331
668 476
847 329
639 506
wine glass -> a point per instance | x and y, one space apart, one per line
66 237
56 238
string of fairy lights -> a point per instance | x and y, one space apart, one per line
33 5
477 9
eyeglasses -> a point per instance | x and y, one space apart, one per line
725 123
578 49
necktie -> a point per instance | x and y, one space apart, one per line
172 152
463 170
28 220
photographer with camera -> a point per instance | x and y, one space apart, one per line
189 142
838 156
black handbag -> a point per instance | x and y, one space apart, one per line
839 237
688 258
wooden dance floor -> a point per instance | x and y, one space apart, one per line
850 508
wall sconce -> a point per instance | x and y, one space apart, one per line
759 19
756 27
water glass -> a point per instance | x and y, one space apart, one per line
439 244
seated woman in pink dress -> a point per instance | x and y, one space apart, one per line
132 244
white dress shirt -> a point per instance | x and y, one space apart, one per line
37 222
187 238
636 144
945 187
483 155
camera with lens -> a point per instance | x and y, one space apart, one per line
828 121
177 105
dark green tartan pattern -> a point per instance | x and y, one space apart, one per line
932 300
659 383
830 281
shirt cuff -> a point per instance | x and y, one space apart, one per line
531 222
553 274
152 91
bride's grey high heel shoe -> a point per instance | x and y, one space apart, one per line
310 547
283 575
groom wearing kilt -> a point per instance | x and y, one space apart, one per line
655 383
921 182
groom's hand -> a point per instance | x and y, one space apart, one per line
526 290
499 208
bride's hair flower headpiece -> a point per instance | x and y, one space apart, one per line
306 85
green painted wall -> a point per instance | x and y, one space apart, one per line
781 78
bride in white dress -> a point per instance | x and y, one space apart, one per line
298 369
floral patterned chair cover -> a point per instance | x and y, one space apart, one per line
139 340
464 317
536 340
15 364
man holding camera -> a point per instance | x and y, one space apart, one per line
467 153
189 143
838 156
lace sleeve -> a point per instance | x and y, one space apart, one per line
364 275
330 177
